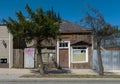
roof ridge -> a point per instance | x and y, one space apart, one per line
67 26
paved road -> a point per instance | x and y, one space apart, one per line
54 81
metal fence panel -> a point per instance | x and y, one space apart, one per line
110 58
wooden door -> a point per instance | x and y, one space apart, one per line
63 58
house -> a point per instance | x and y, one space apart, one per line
72 50
6 48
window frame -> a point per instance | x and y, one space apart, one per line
86 56
63 44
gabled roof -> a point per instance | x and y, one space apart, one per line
70 27
80 43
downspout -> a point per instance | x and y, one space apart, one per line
9 52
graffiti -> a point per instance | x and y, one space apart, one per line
29 52
4 43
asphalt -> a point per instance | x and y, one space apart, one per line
60 79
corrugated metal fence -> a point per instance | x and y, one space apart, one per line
110 58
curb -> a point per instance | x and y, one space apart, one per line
59 79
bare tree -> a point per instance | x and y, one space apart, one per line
95 20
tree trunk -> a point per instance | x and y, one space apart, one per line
41 66
38 46
100 64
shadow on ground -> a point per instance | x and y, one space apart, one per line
52 71
106 72
110 73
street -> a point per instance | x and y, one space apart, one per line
72 81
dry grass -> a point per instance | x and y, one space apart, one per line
69 76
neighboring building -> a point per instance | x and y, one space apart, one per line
6 48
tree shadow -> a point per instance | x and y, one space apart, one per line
52 71
109 73
57 71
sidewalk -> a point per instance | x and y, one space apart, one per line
16 73
83 72
112 72
9 74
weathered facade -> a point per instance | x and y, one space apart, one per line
6 48
77 50
74 50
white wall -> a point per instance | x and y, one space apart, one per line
6 52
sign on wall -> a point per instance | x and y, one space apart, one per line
29 57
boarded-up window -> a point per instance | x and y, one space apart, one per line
48 57
48 54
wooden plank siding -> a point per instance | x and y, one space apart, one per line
76 37
86 37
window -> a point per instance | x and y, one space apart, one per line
63 44
79 54
48 57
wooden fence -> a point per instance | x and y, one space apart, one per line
18 57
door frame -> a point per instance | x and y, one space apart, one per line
58 48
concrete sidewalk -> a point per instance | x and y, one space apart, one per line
13 73
6 74
16 73
83 72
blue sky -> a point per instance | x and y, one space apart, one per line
69 9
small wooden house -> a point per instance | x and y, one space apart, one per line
72 50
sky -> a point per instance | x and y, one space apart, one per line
70 10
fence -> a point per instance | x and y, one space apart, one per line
18 58
110 58
49 58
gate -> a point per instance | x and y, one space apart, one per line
29 57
